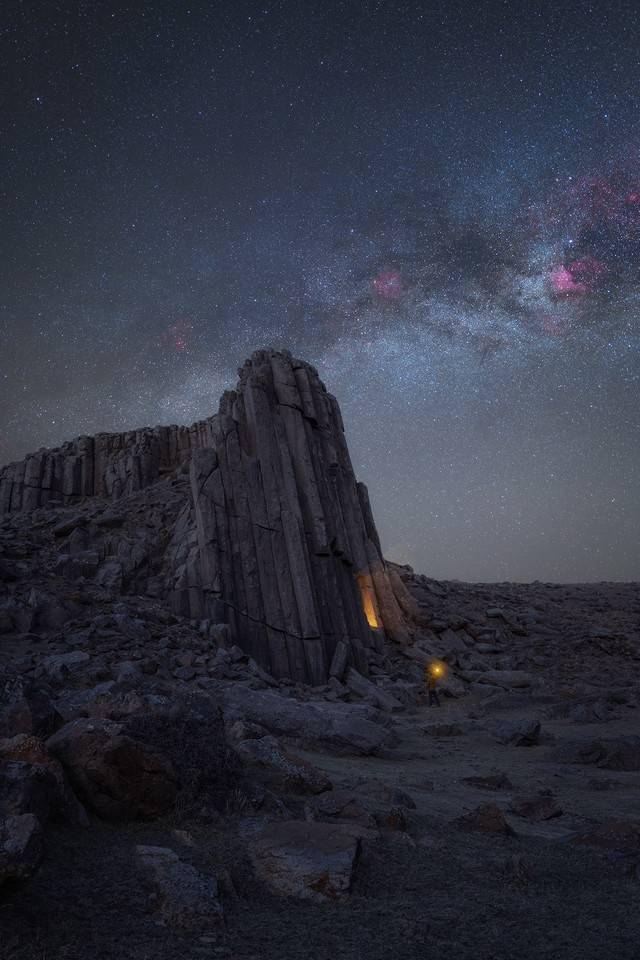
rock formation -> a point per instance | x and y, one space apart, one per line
109 465
276 537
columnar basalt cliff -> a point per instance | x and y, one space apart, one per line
276 537
108 465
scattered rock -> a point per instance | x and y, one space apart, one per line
185 898
117 777
614 835
364 688
21 846
621 753
520 733
286 772
498 781
487 818
307 860
541 807
46 775
347 728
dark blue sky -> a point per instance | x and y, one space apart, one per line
437 203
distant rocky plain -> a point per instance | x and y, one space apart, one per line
215 737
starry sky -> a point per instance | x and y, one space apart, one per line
436 203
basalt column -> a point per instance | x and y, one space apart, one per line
288 550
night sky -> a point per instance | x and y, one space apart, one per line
436 203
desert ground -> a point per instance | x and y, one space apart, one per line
181 802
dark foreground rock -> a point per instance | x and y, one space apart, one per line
487 818
21 846
282 769
311 861
117 777
183 897
348 728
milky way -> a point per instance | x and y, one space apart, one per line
438 206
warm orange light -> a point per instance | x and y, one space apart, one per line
368 602
436 669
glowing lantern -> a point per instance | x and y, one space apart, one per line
437 669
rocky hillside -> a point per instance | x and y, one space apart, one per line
271 535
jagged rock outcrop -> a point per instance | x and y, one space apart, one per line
109 465
276 537
286 550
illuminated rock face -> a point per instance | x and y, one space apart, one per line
276 537
287 551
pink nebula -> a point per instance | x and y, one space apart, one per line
562 282
389 285
177 335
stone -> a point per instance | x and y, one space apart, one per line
307 860
285 771
451 642
118 777
185 898
364 688
520 733
541 807
619 835
343 804
26 788
29 751
21 846
59 665
620 753
346 728
26 709
487 818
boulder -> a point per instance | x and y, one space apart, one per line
25 709
284 771
28 750
452 642
344 727
307 860
372 804
21 846
619 753
118 777
487 818
541 807
59 666
365 688
185 898
622 835
341 804
26 788
520 733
